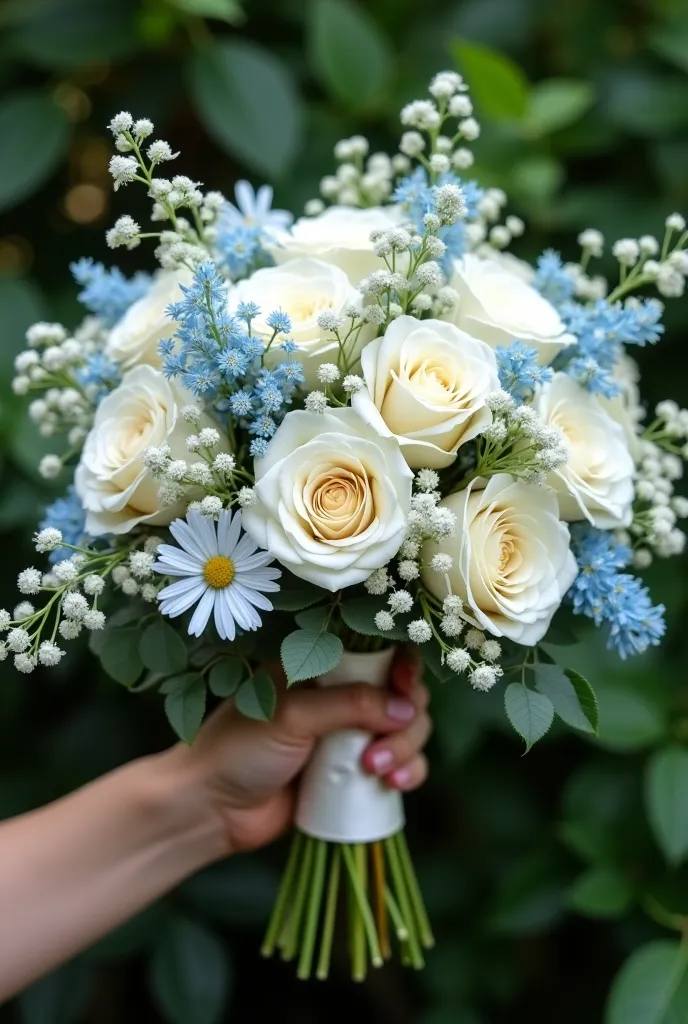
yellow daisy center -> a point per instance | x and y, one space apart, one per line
218 572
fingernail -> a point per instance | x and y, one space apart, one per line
400 710
401 777
381 759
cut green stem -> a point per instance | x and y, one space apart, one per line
314 904
278 915
330 915
425 931
291 935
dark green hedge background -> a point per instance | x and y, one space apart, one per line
544 874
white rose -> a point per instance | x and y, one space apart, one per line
626 408
512 563
499 307
596 483
115 487
340 235
303 289
521 268
134 339
333 498
426 385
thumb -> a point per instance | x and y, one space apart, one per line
310 714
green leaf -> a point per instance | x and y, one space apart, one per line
224 10
498 85
224 678
650 987
239 891
162 648
256 697
119 655
530 713
313 618
666 800
190 975
571 694
307 654
248 102
557 103
58 998
359 615
537 178
21 304
349 52
601 892
629 720
74 33
185 706
295 594
34 135
671 43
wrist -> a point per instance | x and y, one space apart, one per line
174 793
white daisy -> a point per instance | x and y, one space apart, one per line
221 572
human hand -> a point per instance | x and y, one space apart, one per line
245 769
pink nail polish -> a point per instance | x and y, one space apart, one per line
400 710
401 777
381 760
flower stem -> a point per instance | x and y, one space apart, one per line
314 903
278 914
330 915
291 937
415 954
426 936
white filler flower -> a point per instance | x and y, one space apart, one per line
221 570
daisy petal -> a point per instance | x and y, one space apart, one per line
180 559
199 619
260 558
187 539
181 587
227 617
244 548
242 611
224 623
204 531
181 602
254 597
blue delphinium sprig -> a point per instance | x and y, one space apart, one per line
519 372
106 292
242 229
415 194
218 358
552 279
99 375
66 514
605 594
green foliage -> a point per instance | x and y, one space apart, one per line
497 83
556 103
190 974
162 649
225 677
530 713
295 594
256 697
34 135
651 987
571 694
248 101
349 52
666 797
307 654
59 998
600 892
359 614
224 10
185 704
119 654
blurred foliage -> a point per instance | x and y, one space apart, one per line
559 882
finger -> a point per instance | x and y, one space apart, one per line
314 713
386 755
407 670
411 775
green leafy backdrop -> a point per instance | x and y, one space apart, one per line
558 882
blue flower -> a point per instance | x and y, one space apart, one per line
258 448
279 322
604 594
552 280
67 515
519 372
253 209
100 374
239 248
107 294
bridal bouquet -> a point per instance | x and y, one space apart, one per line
317 439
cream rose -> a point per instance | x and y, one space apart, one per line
134 339
303 289
512 563
626 408
596 483
499 307
340 235
426 384
333 498
115 487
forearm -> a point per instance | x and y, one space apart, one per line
73 871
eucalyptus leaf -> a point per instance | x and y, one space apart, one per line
313 618
225 677
556 103
34 136
650 987
349 52
119 654
185 706
571 694
666 800
307 654
601 892
359 614
190 974
162 648
529 712
248 101
498 85
256 697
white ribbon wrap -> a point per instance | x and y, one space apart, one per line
338 800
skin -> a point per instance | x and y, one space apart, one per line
72 871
